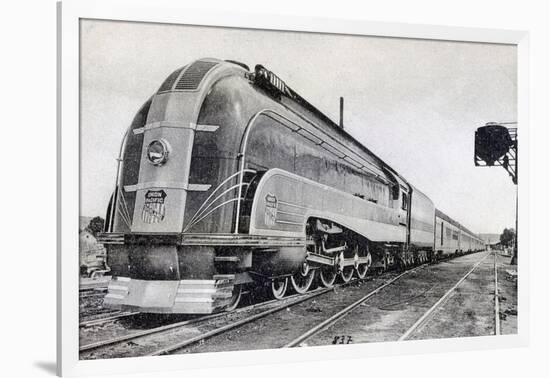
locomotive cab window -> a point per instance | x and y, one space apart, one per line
395 192
405 201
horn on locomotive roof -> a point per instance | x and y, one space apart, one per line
277 88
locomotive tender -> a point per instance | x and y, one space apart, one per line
229 179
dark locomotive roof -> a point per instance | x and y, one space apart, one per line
189 77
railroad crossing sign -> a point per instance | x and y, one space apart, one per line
497 145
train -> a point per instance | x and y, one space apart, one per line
229 181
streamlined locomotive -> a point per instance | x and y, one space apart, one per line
229 179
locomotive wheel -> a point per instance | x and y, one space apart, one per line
347 273
362 269
278 287
235 298
327 276
301 281
401 264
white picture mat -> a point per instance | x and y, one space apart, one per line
173 12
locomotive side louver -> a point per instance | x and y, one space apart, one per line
170 80
192 77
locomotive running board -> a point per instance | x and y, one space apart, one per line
267 243
241 240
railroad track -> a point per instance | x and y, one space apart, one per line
112 316
291 301
288 301
90 287
425 318
339 315
91 291
105 345
343 313
91 294
249 319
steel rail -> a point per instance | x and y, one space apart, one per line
106 319
90 295
252 318
136 335
214 332
91 292
171 348
160 329
339 315
441 300
301 298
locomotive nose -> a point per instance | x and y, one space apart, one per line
161 190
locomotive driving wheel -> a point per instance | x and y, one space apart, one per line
235 298
327 275
278 287
346 272
301 281
362 269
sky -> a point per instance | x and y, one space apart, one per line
414 103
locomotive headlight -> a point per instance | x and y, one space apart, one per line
158 151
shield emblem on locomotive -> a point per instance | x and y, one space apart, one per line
270 210
153 207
